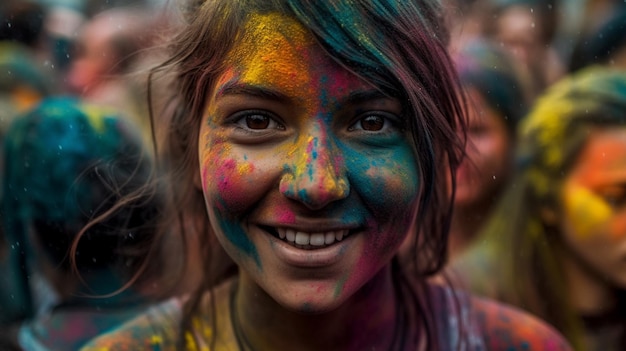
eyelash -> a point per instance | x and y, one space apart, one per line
389 121
240 120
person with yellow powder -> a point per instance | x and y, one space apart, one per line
556 244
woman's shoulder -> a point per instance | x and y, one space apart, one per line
159 328
155 329
484 324
508 328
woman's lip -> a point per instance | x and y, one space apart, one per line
310 258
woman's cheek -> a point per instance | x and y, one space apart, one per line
386 184
228 183
587 212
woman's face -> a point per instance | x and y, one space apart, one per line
309 178
488 162
594 206
95 57
517 29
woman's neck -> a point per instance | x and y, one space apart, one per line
366 321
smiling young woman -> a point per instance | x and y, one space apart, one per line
310 144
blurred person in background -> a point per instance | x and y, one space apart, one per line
466 21
107 59
23 81
497 99
69 163
527 29
556 243
605 45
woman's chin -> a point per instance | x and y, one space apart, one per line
313 301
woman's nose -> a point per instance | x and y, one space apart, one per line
316 176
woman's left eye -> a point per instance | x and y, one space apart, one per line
374 122
257 120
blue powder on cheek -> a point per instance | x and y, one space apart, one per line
374 189
238 237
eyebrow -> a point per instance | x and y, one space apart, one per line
361 96
237 88
234 88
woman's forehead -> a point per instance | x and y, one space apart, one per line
270 36
279 54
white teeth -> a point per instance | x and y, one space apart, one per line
317 239
281 232
302 238
329 238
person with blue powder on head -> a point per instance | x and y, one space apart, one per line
69 164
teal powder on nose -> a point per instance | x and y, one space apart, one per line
238 237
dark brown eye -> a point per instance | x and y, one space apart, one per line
257 122
372 123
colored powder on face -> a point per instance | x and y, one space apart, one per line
340 285
310 157
585 210
317 166
268 61
245 168
238 237
286 216
227 177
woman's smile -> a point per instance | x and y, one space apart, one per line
305 255
308 241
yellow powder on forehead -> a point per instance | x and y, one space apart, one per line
273 52
586 210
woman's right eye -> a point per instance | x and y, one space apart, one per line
257 120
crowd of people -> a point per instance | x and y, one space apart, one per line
313 175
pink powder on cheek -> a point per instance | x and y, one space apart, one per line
286 216
229 180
